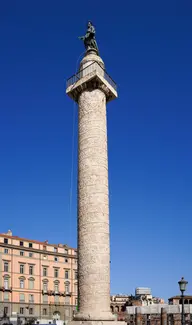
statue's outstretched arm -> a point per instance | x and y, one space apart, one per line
87 35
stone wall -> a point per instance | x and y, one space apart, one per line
153 315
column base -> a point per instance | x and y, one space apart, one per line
94 316
96 322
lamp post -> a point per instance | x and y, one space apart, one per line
182 286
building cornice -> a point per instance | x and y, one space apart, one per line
34 250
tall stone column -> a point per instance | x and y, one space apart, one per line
93 208
138 316
92 88
163 316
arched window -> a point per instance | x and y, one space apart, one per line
186 302
67 286
45 285
56 315
6 281
56 286
31 283
22 282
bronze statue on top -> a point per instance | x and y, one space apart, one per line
89 38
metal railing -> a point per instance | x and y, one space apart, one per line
93 67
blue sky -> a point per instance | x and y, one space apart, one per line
147 49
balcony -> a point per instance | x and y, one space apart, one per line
6 289
91 76
52 293
67 293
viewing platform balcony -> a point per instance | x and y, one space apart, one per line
92 76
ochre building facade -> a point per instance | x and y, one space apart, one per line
37 279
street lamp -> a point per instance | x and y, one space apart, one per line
182 286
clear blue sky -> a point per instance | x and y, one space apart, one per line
147 49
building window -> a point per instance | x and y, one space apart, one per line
67 287
44 271
67 300
21 268
66 251
56 259
66 260
30 311
55 250
21 253
22 297
76 275
30 254
44 248
56 287
31 269
56 273
6 267
45 299
31 298
44 311
6 251
5 240
31 284
45 286
30 245
56 299
22 284
6 296
66 274
6 283
76 301
21 243
21 310
6 310
44 257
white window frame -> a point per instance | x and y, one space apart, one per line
22 284
6 267
22 269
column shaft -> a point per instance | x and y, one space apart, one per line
163 316
93 209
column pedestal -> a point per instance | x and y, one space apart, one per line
92 322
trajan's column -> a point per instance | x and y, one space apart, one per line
92 88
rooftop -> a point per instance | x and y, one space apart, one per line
9 235
179 297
